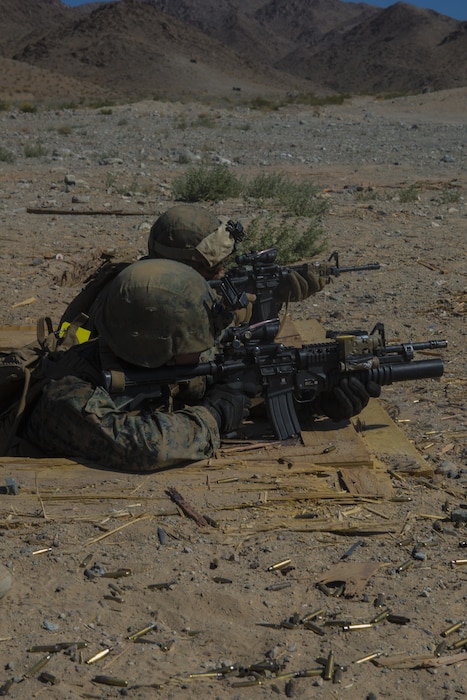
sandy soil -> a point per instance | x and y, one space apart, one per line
96 557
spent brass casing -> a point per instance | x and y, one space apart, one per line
279 565
278 586
119 573
398 619
368 657
441 648
97 657
379 600
110 680
163 586
312 615
140 633
337 675
329 667
406 565
114 598
246 684
380 616
86 561
451 629
37 666
309 625
5 688
459 644
310 673
324 589
339 591
47 677
361 626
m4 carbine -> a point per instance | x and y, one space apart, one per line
258 274
287 376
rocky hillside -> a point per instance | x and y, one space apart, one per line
147 48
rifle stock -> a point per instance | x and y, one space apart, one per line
287 376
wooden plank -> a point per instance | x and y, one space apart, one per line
360 480
385 439
16 336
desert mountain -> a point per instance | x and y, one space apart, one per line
401 48
134 49
147 48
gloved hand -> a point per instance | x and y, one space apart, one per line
229 406
244 315
300 285
348 398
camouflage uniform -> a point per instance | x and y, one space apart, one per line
77 420
152 313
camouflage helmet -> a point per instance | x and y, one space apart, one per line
195 236
153 311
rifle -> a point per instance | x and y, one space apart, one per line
287 377
258 273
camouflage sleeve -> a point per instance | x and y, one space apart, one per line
73 419
301 285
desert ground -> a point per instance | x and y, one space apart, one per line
103 561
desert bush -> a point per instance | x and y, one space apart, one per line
450 196
6 156
298 198
294 237
64 130
408 194
28 108
368 194
294 227
204 121
35 150
263 104
310 98
206 182
3 106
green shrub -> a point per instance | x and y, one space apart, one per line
206 182
295 238
35 150
28 108
294 228
450 196
297 198
409 194
6 156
